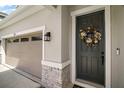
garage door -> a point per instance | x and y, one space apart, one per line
25 53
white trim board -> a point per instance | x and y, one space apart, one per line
7 36
28 31
84 11
87 10
50 7
56 64
84 84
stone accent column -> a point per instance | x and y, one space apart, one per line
57 73
53 77
66 79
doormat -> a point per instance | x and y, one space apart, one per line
76 86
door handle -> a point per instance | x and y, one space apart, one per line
102 57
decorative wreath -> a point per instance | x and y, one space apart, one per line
90 36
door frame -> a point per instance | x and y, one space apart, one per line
83 11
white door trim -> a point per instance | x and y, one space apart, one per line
87 10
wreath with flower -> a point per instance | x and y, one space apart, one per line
90 36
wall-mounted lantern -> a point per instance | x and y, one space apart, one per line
47 36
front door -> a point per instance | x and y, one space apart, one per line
90 47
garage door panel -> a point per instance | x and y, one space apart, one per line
14 61
13 55
33 68
13 49
26 56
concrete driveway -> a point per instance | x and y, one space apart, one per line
11 79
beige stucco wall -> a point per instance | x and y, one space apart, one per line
117 16
61 35
65 34
52 20
114 46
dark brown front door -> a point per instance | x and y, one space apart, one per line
90 59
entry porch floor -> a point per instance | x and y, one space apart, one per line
11 79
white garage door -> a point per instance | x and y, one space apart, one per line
25 53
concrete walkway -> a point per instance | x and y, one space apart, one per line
11 79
